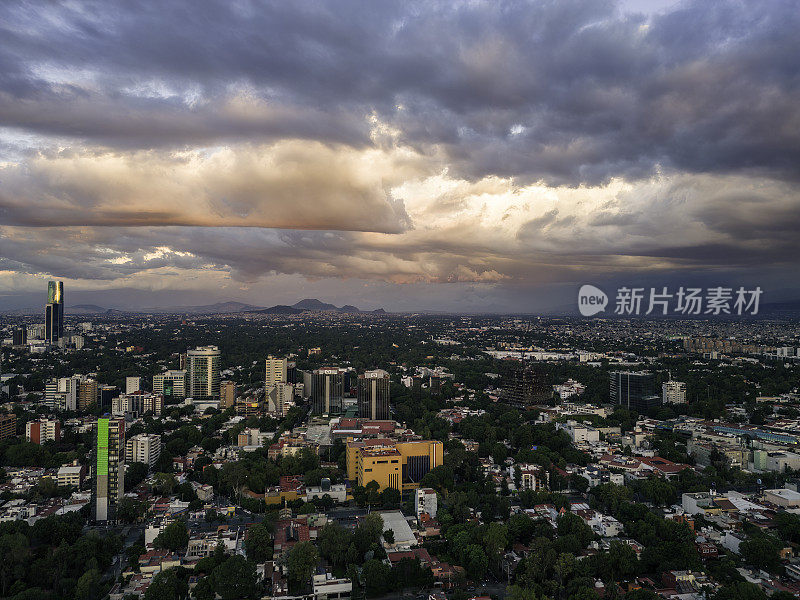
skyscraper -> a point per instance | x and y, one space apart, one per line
525 387
373 395
203 365
635 390
110 466
327 390
19 337
54 312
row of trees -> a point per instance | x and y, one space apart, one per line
53 559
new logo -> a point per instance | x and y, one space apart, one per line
591 300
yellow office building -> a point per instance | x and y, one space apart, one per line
400 465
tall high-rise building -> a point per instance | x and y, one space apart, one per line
276 371
170 384
525 387
64 393
19 337
673 392
227 394
327 390
635 390
373 395
105 394
109 466
87 393
54 312
8 425
203 365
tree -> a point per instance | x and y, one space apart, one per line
135 473
377 577
476 561
167 586
388 535
564 568
372 525
302 561
761 551
130 510
569 523
87 585
13 558
622 560
372 495
642 594
390 498
235 578
741 590
164 484
516 592
495 539
174 537
258 543
333 541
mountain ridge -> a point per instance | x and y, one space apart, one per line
228 307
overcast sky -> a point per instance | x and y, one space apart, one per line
413 155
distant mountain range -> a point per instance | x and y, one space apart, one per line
306 305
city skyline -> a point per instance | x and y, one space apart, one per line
360 156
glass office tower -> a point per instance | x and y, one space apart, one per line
54 312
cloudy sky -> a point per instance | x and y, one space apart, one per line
413 155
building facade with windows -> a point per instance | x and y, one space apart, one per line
203 367
109 484
373 395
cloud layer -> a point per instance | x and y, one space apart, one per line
502 144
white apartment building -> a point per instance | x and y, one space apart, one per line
137 403
328 587
532 477
62 393
579 432
133 384
43 430
144 448
674 392
170 384
425 501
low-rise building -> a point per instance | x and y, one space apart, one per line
71 475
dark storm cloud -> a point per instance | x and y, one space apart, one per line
594 93
396 141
